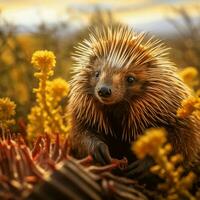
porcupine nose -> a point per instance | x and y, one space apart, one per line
104 91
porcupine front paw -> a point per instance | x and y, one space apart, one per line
101 154
139 168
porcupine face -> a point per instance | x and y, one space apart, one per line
115 63
119 65
112 85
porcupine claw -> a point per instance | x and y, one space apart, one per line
139 169
101 154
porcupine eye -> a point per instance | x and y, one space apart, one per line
97 73
130 79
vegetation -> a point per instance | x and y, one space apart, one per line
34 125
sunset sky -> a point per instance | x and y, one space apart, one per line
143 13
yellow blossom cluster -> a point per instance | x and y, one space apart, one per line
47 116
189 106
190 76
168 167
7 110
44 60
58 89
149 143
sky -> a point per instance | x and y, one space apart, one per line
143 14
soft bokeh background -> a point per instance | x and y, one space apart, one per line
57 25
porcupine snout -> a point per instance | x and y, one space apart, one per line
104 91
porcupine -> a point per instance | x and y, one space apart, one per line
124 83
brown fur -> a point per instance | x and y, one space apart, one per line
152 101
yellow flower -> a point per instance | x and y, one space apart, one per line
189 76
167 166
48 116
188 106
35 122
188 180
58 88
150 142
44 60
7 108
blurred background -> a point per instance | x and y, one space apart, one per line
57 25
